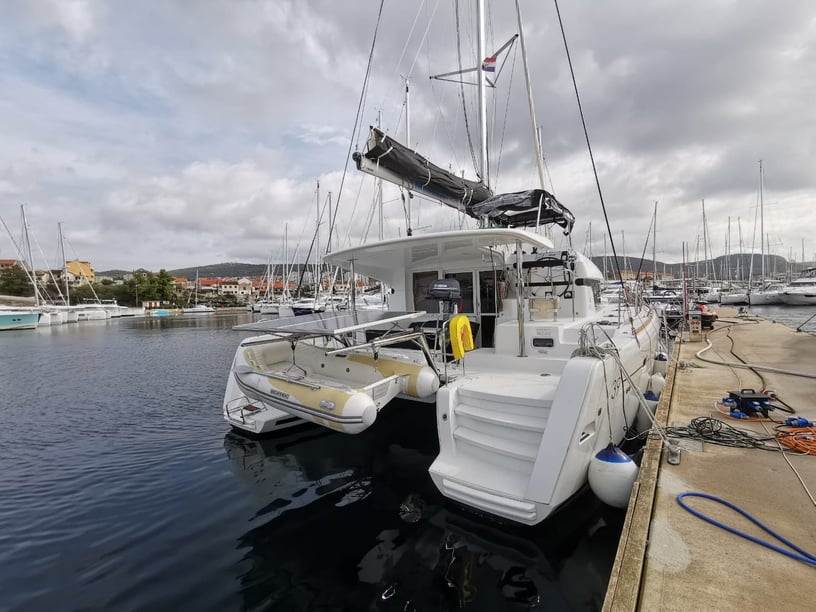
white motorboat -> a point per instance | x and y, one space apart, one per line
801 291
11 318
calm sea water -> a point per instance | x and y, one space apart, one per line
792 316
121 488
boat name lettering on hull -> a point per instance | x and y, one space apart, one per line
279 393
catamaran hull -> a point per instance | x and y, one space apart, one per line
518 446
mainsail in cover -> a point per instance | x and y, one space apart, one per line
396 163
389 160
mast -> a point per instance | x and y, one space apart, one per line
64 264
482 82
654 248
740 267
317 241
287 267
27 244
604 261
761 224
408 230
380 186
728 252
705 240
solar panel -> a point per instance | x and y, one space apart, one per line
328 323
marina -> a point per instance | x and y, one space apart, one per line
438 395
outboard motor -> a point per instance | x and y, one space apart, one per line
447 291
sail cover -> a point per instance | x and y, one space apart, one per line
412 171
524 208
389 160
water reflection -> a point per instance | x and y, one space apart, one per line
354 522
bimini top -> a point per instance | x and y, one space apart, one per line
525 209
383 259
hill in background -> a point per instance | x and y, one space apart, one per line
717 265
221 270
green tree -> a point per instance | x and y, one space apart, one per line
164 285
14 281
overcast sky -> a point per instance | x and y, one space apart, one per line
173 133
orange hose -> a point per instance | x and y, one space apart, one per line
802 439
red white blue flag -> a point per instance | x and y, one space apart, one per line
489 64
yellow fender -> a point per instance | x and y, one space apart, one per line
461 336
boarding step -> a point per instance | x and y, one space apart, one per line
475 473
502 418
517 449
528 390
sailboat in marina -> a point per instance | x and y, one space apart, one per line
529 373
767 293
198 308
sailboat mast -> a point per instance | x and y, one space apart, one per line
482 82
761 223
29 256
728 252
64 264
380 190
408 196
317 241
740 266
705 241
654 248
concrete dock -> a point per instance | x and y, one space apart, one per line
668 559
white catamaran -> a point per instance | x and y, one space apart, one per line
531 373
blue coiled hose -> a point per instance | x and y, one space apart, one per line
803 556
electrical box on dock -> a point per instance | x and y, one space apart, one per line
751 402
695 320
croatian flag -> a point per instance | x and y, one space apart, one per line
489 64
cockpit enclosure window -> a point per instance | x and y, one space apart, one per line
490 284
421 281
596 289
466 284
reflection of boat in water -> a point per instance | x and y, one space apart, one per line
350 492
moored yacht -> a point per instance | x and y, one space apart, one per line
13 318
555 375
530 374
801 291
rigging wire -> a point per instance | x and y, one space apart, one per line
357 117
506 113
589 145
